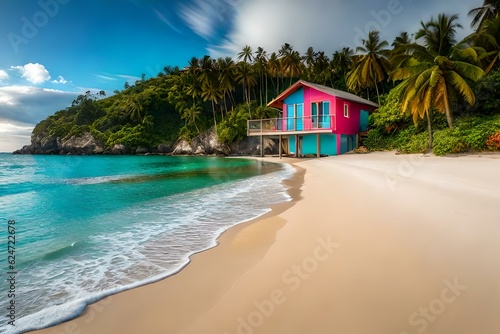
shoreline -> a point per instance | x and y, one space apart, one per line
379 243
293 187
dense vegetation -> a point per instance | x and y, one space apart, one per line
434 91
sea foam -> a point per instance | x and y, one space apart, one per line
159 237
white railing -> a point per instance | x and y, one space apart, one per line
290 124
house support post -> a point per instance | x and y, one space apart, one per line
318 145
357 140
279 146
296 146
261 146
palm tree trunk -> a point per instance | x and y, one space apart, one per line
447 109
261 82
265 76
429 128
248 101
215 119
376 89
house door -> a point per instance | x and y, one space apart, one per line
299 116
290 114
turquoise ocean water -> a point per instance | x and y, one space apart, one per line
90 226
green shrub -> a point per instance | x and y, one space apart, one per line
130 136
448 141
377 140
234 126
409 141
389 116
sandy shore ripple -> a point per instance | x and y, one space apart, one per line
375 243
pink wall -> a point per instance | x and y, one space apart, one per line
349 125
339 123
312 95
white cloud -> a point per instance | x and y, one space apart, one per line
13 137
105 77
34 73
329 25
165 20
60 80
129 78
3 75
203 16
29 105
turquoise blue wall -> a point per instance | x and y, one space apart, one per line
291 144
347 145
309 144
363 120
328 144
296 97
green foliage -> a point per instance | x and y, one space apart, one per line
130 136
408 140
187 132
448 141
470 134
487 96
234 125
140 116
378 140
263 112
389 116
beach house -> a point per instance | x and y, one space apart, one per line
315 120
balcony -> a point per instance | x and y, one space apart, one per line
291 125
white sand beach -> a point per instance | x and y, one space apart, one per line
377 243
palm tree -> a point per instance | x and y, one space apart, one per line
191 115
246 54
309 59
291 61
261 64
134 108
401 40
226 69
294 65
439 35
431 72
372 65
322 71
487 42
212 93
489 10
340 65
283 60
245 77
273 66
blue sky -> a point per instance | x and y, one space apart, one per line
54 50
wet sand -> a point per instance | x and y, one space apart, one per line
375 243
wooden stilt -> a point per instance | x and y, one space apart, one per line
296 146
318 145
261 146
279 145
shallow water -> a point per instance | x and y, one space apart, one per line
90 226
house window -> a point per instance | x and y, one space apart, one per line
320 112
346 110
295 114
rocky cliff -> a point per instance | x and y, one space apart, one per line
204 144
